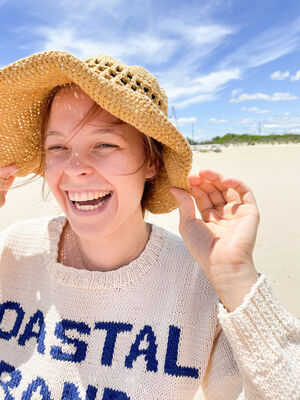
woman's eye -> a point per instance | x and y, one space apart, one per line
56 147
106 146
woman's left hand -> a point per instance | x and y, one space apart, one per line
222 242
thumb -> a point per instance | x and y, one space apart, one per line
186 204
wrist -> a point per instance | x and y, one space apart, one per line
233 292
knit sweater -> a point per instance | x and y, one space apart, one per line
153 329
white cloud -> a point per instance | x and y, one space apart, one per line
174 43
203 36
89 11
152 48
271 126
245 121
296 77
266 46
206 34
182 121
187 120
235 92
209 83
218 121
280 123
283 117
199 89
216 79
279 76
201 98
284 122
255 110
261 96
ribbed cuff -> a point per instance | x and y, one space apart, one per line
265 340
260 311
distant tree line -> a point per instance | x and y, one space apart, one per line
232 138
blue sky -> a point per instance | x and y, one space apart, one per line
226 65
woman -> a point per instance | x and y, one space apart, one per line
98 304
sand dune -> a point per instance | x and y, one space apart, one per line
273 173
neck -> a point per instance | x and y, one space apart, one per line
115 250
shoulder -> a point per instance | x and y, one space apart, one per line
179 262
173 243
32 233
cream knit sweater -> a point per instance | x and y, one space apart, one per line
153 329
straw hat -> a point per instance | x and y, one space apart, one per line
130 93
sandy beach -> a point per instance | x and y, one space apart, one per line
272 171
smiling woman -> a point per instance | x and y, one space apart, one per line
97 303
96 167
107 138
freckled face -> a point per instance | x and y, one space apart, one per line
96 171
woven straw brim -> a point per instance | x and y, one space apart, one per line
24 90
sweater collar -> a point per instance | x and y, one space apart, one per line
116 279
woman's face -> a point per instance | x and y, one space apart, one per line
96 171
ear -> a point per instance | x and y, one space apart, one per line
151 170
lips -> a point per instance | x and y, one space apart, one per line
89 200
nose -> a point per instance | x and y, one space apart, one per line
77 165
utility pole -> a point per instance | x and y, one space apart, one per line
193 130
259 128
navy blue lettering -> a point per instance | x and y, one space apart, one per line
38 383
11 305
38 318
111 394
70 392
150 351
81 346
171 366
15 379
113 329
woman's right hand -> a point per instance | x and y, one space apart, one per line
6 179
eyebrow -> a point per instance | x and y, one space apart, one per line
99 130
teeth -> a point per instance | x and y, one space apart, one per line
84 196
88 208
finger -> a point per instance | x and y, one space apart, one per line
245 193
2 200
219 182
195 180
213 177
202 200
5 183
6 172
4 189
216 180
208 212
214 194
186 205
8 182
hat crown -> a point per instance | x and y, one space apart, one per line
132 77
131 93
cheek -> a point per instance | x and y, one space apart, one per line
131 189
52 175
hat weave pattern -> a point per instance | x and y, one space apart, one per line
130 93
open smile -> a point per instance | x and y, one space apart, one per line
88 201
